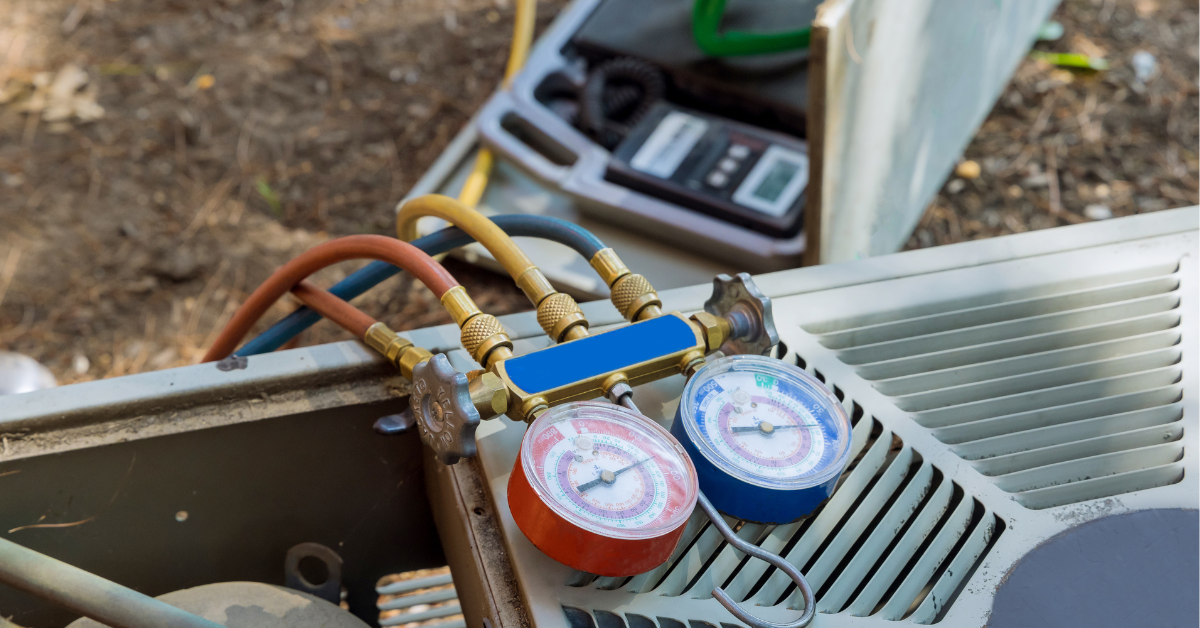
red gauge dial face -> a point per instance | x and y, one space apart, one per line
609 472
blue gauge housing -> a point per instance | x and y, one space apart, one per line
774 489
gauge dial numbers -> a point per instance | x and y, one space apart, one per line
768 440
601 488
769 433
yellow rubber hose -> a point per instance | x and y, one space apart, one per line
522 40
558 313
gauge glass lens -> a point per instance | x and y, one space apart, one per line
609 470
766 421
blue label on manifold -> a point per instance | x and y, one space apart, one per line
603 353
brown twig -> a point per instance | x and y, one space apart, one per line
1052 178
10 270
72 524
219 193
1043 118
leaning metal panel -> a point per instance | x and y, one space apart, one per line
929 521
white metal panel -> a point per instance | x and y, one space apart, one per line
906 84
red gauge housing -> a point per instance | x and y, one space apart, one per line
602 489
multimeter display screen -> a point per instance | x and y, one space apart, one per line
776 180
747 176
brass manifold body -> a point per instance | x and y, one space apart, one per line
707 333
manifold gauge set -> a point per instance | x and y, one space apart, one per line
603 489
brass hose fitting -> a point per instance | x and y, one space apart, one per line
482 335
399 351
632 294
560 316
558 313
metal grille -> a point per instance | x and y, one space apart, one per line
896 540
420 599
1059 393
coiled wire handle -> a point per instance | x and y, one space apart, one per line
810 606
623 395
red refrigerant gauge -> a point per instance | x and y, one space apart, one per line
602 489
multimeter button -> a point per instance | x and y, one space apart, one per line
739 151
717 179
728 165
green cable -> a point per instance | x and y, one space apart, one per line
706 23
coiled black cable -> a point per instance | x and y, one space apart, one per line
616 95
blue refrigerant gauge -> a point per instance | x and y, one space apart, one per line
769 441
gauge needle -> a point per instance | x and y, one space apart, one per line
767 428
608 477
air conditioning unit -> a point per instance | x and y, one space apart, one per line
1025 423
1024 454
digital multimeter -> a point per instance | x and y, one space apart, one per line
742 174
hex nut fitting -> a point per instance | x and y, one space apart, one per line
714 329
488 393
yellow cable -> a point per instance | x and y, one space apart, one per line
522 39
472 189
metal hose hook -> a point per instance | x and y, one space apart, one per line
624 396
810 605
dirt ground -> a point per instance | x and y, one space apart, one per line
1063 147
159 158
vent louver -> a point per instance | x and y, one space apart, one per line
1058 393
895 541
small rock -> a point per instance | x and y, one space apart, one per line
1015 191
396 75
1050 31
80 364
1096 211
1151 204
968 169
1039 180
1145 65
13 179
179 266
956 186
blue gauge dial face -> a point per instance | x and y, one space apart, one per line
766 426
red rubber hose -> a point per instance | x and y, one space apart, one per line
330 306
377 247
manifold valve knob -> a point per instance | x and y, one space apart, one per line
442 407
748 310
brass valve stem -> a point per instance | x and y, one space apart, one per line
482 335
632 294
399 351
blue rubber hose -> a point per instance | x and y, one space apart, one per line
448 239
